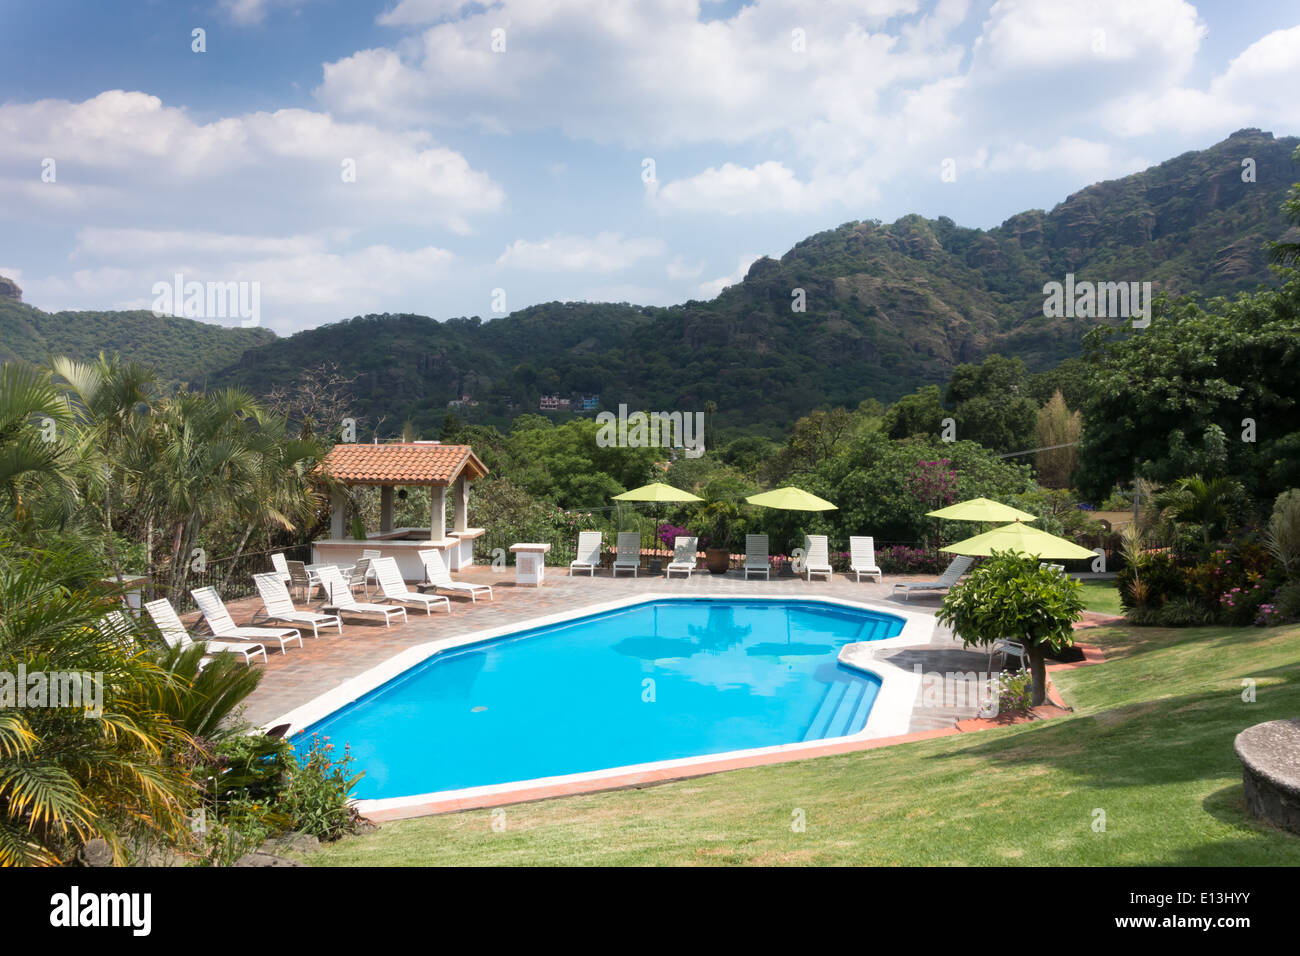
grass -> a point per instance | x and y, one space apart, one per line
1149 744
1101 596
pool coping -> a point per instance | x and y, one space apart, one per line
889 718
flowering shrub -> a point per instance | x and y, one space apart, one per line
316 797
1015 692
1268 615
667 533
900 559
933 483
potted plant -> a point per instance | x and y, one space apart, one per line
719 520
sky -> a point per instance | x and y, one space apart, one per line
343 157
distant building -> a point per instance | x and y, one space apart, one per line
549 403
464 400
590 403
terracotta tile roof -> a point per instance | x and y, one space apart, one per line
401 463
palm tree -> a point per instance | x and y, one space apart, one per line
205 468
36 457
282 492
1209 504
112 402
66 777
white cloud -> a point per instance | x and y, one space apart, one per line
1068 34
251 12
606 252
711 288
732 190
304 279
637 73
124 147
679 269
1088 159
414 12
1257 88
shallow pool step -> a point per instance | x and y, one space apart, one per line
830 703
858 719
840 708
842 719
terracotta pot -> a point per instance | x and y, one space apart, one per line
717 560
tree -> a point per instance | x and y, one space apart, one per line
36 457
921 413
1209 505
65 776
1286 251
1057 425
1010 596
1210 390
991 405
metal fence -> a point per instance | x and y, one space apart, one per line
231 576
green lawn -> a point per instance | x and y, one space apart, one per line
1150 744
1101 596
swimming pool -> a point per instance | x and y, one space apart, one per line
652 681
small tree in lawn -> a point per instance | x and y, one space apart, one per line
1008 596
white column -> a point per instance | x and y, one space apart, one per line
338 503
438 523
460 504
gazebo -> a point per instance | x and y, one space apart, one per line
389 466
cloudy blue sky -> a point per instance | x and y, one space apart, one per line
573 149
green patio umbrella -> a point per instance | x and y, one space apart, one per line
791 499
657 491
981 509
1019 537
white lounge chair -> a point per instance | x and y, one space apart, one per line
1058 568
959 566
862 558
393 587
223 625
278 606
816 556
371 556
629 552
341 598
437 576
684 557
174 633
118 628
757 556
281 565
588 559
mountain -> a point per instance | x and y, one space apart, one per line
180 350
888 308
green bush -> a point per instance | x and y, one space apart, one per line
1183 612
316 796
1287 601
1157 578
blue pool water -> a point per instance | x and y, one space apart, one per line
654 681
